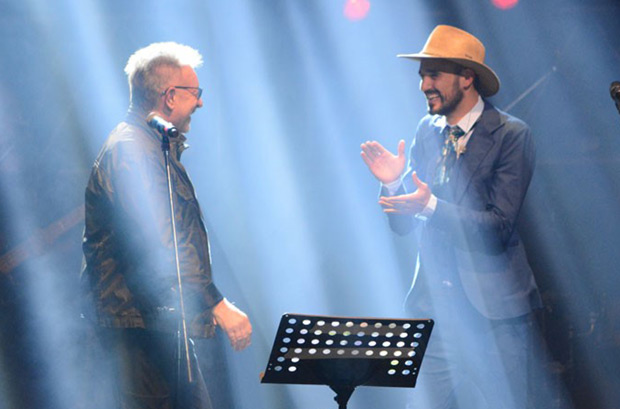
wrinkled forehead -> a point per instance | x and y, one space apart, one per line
434 65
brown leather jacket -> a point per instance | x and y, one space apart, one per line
129 271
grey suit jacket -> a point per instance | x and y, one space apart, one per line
475 232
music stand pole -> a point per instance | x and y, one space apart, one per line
343 393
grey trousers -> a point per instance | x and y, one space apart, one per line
472 362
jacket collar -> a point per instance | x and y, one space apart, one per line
136 118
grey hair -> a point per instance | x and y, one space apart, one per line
150 69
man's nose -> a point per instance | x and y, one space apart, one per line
425 84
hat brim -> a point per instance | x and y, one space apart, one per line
487 79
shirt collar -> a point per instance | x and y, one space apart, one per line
469 119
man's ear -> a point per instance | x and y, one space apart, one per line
469 76
170 100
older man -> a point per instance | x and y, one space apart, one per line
130 269
469 170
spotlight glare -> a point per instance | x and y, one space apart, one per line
356 9
504 4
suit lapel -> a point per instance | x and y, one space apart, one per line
479 145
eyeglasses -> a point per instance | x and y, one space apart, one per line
198 90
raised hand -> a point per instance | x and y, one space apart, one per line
384 165
411 203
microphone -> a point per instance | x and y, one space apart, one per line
614 90
164 127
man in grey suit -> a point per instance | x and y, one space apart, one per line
469 169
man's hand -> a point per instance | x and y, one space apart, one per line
235 323
412 203
384 165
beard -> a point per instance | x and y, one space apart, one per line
185 126
447 104
184 123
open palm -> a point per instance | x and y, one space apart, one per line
383 164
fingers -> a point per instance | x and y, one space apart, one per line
402 204
390 202
241 343
416 179
394 211
393 204
373 149
385 204
241 337
401 148
366 159
235 323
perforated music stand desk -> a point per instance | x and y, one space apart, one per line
344 352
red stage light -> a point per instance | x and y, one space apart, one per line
504 4
356 9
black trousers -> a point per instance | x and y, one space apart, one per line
149 374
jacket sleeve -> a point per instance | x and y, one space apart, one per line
404 224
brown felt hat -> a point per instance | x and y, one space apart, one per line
453 44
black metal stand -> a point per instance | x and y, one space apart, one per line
343 394
182 332
345 352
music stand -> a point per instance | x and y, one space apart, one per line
345 352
